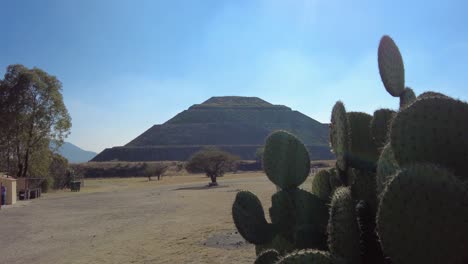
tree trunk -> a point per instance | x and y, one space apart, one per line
26 163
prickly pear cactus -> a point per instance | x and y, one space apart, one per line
299 218
423 217
364 188
387 167
391 67
343 231
285 160
249 218
363 153
380 125
407 97
429 94
321 185
371 251
300 214
339 135
279 243
267 257
432 130
310 256
399 191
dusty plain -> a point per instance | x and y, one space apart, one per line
132 220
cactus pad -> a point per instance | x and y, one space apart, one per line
249 218
407 97
386 168
423 217
335 181
321 185
371 251
429 94
339 135
310 256
343 231
267 257
295 208
380 125
364 152
285 160
391 68
364 188
278 243
432 130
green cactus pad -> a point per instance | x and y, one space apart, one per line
249 218
267 257
364 152
278 243
423 217
364 188
371 251
294 208
285 160
391 68
310 256
429 94
339 135
407 97
380 125
343 231
310 236
387 167
432 130
335 181
321 184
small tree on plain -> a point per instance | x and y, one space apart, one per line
157 170
213 162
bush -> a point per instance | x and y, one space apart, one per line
47 184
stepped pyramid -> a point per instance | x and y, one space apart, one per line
236 124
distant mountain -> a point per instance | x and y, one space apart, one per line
235 124
75 154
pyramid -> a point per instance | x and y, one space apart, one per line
236 124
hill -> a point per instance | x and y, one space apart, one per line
75 154
237 124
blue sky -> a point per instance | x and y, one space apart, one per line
126 65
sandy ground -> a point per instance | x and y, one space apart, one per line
132 221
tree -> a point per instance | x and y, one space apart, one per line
157 170
32 114
60 172
213 162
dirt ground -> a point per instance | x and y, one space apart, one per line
132 221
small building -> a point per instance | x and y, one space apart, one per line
9 185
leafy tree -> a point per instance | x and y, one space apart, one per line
60 171
32 114
213 162
157 170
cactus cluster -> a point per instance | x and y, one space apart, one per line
398 192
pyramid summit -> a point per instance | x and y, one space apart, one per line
236 124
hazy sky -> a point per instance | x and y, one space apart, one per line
126 65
